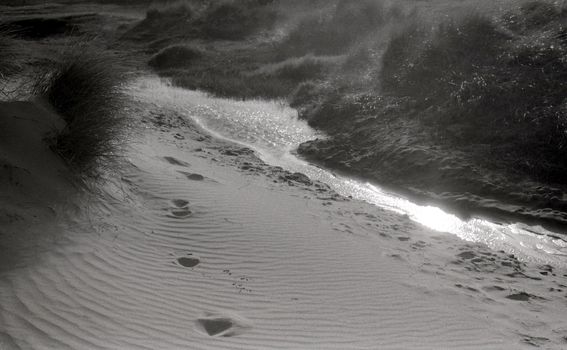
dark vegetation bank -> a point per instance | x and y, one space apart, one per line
470 112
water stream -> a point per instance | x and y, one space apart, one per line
273 130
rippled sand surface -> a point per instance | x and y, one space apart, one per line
198 244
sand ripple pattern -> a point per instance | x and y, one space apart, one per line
172 263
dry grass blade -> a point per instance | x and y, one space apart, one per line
86 88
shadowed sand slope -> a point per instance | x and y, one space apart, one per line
200 245
34 183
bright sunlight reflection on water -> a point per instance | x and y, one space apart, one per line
273 130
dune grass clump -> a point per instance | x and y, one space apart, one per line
277 80
235 85
302 69
532 15
9 57
422 67
497 88
86 89
235 20
8 54
164 20
336 30
359 58
176 9
175 56
207 19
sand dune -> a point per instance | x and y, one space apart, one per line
198 244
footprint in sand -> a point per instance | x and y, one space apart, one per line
180 209
175 161
467 255
216 325
188 261
494 288
522 296
534 341
180 203
179 213
192 176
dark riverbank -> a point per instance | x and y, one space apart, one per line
451 179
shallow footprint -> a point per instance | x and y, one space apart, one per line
194 177
175 161
522 296
216 326
180 203
188 261
467 255
179 213
222 325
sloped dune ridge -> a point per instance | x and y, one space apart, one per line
241 254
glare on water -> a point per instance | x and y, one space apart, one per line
273 130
